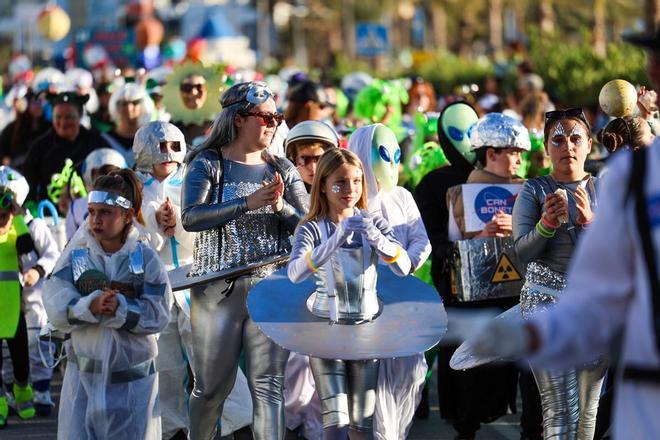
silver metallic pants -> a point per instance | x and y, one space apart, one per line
220 329
569 398
347 390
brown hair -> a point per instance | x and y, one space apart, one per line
423 88
293 148
622 132
125 183
331 160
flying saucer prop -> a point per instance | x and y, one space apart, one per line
412 320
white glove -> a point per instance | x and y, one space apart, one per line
503 339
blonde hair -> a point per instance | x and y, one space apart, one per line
331 160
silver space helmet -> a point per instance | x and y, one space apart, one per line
497 130
146 145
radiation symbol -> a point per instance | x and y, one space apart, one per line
505 271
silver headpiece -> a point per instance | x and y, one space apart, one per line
497 130
146 145
109 198
14 182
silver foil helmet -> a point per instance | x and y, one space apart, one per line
97 158
497 130
12 181
146 145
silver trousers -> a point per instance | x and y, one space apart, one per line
221 328
347 390
570 401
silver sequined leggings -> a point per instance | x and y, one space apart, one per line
569 398
347 390
220 329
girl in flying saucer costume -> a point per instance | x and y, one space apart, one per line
400 380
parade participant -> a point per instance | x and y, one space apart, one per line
42 261
400 380
497 142
110 291
339 235
98 163
243 203
18 134
430 195
549 215
17 256
305 144
626 133
190 95
306 100
66 139
130 109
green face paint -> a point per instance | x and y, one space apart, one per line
385 158
455 121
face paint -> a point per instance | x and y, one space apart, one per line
557 132
386 155
577 135
455 121
335 189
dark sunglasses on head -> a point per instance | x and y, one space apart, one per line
305 160
571 113
267 119
188 88
6 200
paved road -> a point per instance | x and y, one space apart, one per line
434 428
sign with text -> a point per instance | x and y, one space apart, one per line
482 201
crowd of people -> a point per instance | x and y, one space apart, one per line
233 176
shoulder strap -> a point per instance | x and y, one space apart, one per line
636 190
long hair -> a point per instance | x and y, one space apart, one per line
125 183
331 160
224 129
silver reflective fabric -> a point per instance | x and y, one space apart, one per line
541 289
109 198
499 131
14 181
412 320
146 145
79 262
136 261
485 269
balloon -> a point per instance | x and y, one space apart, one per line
618 98
148 32
53 22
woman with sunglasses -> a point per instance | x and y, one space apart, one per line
244 205
549 215
130 108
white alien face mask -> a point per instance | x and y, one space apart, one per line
385 158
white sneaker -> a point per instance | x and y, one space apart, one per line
42 398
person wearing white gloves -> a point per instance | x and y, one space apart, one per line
400 380
339 244
111 292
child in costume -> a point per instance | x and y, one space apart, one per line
42 260
159 150
111 292
339 243
17 269
400 380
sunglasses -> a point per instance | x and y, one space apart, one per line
6 200
126 103
305 160
188 88
576 112
267 119
324 105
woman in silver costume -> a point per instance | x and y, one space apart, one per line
244 204
549 215
339 245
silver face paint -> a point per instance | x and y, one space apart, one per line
557 132
578 133
336 189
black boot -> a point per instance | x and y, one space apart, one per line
422 411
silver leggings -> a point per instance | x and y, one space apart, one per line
347 390
220 329
570 401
